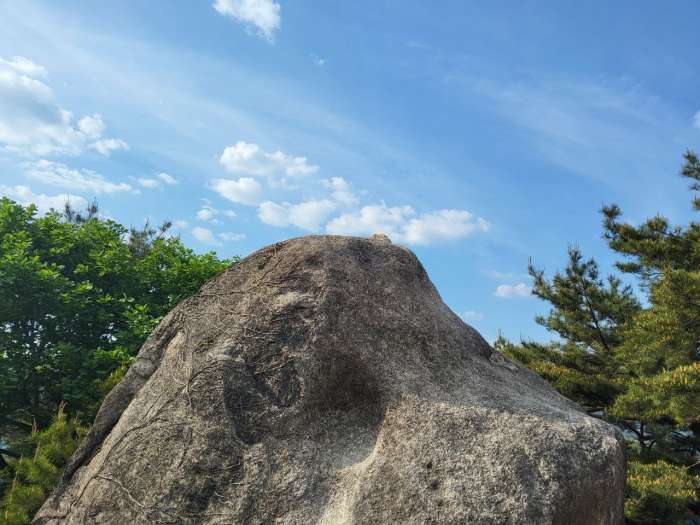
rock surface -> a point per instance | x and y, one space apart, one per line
323 380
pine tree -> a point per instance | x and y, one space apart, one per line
35 476
635 366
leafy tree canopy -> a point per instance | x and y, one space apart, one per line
78 296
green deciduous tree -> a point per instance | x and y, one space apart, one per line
78 296
638 366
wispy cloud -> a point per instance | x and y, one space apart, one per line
317 60
591 127
157 181
472 316
262 15
25 196
32 122
231 236
83 181
204 235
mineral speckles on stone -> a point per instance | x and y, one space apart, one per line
323 380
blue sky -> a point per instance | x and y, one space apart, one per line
479 134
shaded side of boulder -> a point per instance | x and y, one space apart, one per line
323 380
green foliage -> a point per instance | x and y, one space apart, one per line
35 476
78 296
658 492
635 366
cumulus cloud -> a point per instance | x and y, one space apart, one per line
245 190
205 214
32 122
25 196
180 224
93 126
249 159
340 190
401 223
513 291
84 181
107 146
442 225
263 15
167 179
208 213
372 219
204 235
308 215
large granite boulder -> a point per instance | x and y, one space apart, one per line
323 380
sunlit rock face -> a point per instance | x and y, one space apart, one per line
323 380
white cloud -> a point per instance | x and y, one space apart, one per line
245 190
472 315
25 196
107 146
242 157
84 181
372 219
32 122
261 14
442 225
204 235
92 127
231 236
401 224
180 224
340 190
508 291
24 66
147 183
167 179
250 159
157 181
207 214
292 166
308 215
696 120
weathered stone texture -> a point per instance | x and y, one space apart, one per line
323 380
